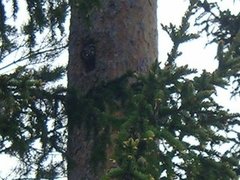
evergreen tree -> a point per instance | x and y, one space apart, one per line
124 116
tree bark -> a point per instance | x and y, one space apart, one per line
121 37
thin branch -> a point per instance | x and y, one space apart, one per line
28 56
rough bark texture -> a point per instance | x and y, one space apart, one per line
122 36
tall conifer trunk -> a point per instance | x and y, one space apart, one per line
117 36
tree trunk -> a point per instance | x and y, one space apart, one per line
119 36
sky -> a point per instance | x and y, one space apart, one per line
195 54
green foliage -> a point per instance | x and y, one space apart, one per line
163 110
164 125
31 112
42 14
39 37
226 35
